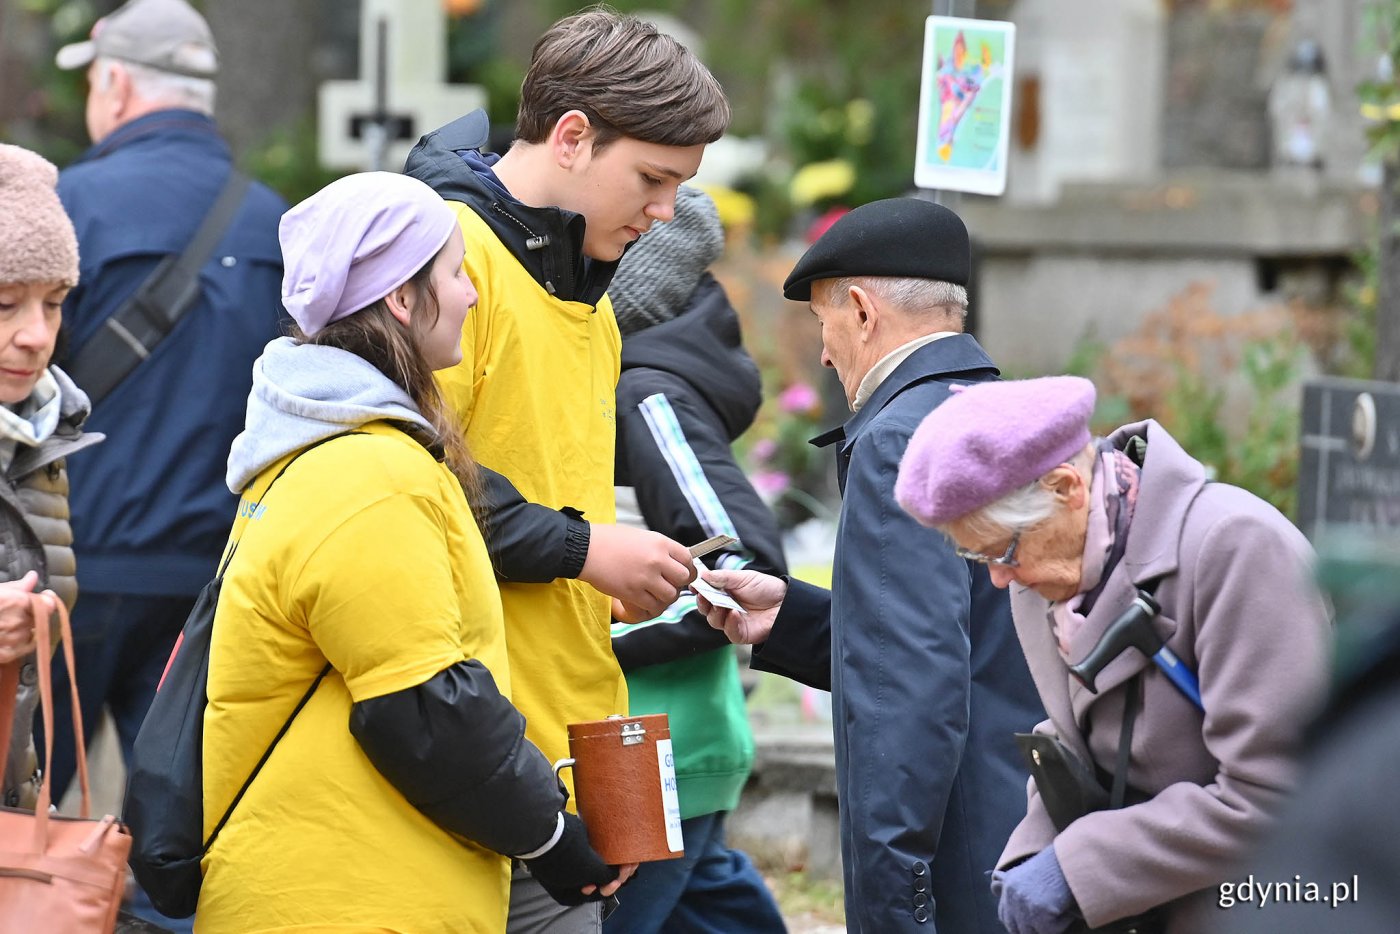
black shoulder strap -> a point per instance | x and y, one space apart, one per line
305 698
1132 706
131 333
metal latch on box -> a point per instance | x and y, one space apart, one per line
633 733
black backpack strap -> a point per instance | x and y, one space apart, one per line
132 332
305 698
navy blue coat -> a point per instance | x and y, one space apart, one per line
927 679
151 512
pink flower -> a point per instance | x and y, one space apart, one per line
763 450
823 223
770 484
798 399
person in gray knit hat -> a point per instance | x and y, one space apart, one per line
665 265
687 389
41 412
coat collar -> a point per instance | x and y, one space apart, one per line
956 356
1171 480
158 123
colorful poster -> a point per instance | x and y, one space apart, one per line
965 105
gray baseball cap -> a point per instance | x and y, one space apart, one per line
168 35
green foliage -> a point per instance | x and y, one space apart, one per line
287 162
1267 457
1380 96
1380 106
1359 323
1263 458
1227 387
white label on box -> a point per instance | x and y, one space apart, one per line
670 800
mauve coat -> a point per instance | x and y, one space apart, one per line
1239 608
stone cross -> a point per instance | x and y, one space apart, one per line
373 122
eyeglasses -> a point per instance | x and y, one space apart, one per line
1006 560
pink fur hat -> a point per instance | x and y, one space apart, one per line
989 439
37 243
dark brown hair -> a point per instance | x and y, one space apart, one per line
375 335
628 78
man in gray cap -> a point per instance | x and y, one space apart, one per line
928 681
150 511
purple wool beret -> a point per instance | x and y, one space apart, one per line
989 439
355 241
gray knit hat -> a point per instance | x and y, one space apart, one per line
659 272
37 243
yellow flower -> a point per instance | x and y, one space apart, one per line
735 208
1381 112
818 180
860 121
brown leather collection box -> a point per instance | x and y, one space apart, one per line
625 780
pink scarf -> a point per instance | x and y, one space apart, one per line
1111 506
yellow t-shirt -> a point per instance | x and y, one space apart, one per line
364 554
536 391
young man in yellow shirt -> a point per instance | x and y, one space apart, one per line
613 117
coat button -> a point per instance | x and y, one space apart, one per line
28 674
920 885
919 868
920 900
921 915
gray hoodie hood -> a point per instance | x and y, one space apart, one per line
304 393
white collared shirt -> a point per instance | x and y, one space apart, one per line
889 363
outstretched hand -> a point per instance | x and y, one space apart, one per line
642 571
761 595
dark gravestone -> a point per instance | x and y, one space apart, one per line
1349 473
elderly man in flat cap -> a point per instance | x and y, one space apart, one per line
914 642
1111 549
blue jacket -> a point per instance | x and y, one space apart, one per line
926 675
151 513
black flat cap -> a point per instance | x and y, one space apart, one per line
903 237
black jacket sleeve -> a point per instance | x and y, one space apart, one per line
667 642
456 749
529 543
799 647
686 505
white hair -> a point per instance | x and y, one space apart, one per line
162 87
910 294
1022 508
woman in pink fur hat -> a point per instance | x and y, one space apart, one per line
1173 634
41 414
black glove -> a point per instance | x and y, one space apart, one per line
571 864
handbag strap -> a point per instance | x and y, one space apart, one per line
44 640
305 698
9 688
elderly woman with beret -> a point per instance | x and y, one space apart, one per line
1079 530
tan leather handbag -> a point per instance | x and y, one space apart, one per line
625 779
59 875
